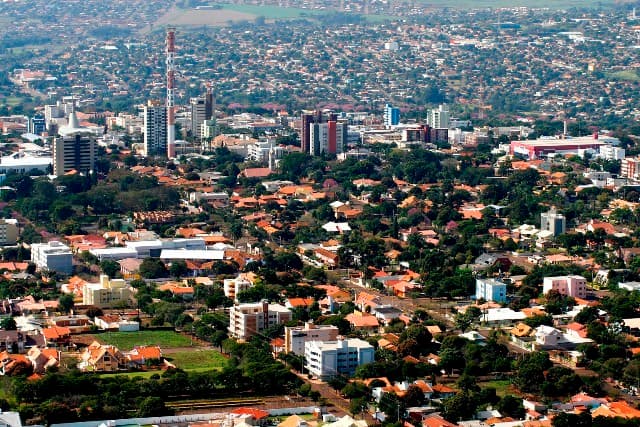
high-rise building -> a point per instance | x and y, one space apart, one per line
438 118
201 110
75 149
391 115
155 129
553 221
330 137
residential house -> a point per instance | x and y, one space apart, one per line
57 337
12 341
144 355
43 359
363 322
102 358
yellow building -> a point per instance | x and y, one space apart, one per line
107 293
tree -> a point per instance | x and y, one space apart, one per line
465 320
178 269
152 406
511 406
462 406
8 324
65 303
109 267
152 268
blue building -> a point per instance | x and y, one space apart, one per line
38 125
391 115
491 290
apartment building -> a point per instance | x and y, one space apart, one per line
573 285
54 256
326 359
491 290
247 320
106 293
295 337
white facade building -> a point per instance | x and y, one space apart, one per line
247 320
326 359
54 256
232 287
295 337
573 286
438 118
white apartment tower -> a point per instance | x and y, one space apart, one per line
155 129
438 118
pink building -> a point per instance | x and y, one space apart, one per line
573 286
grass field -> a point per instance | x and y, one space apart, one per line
552 4
627 75
503 387
272 12
197 360
127 340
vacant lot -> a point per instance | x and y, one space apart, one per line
197 360
127 340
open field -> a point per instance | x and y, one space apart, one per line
127 340
197 360
553 4
193 17
272 12
627 75
503 387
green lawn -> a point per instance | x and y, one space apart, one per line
127 340
502 386
553 4
197 360
628 75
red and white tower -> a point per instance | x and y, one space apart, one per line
171 82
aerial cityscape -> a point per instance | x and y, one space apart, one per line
319 213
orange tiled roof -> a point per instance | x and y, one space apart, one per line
56 332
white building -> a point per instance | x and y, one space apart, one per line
438 118
295 337
232 287
247 320
491 290
155 129
106 293
262 150
25 163
553 221
610 152
573 286
326 359
54 256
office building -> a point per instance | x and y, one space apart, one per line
155 129
53 256
247 320
391 115
201 110
295 337
572 286
8 232
491 290
107 293
327 359
75 149
553 221
438 118
37 125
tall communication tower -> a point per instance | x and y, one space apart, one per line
171 82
